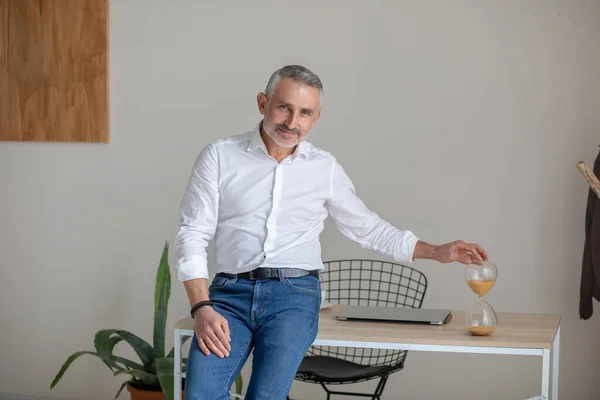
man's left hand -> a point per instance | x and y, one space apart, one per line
459 251
464 253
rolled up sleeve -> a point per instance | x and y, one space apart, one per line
198 216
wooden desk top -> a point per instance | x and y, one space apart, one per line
517 330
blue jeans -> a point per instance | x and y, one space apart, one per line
277 319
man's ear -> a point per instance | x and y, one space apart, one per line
261 100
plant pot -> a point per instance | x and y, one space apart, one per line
138 394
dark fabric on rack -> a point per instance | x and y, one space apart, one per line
590 274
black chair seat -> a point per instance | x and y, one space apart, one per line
329 369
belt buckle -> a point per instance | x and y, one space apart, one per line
257 277
261 274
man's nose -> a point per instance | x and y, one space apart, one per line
291 121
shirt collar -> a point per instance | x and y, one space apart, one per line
256 141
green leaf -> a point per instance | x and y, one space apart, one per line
68 363
142 348
162 292
107 352
183 340
103 341
127 363
144 376
104 345
121 389
112 342
239 383
166 376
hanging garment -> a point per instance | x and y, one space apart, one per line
590 274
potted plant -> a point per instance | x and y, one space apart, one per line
153 376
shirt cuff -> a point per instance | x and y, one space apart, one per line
406 247
192 268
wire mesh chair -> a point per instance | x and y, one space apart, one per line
364 283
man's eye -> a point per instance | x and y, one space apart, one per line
306 112
283 107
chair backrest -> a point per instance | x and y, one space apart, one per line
370 283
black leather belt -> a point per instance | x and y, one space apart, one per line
271 273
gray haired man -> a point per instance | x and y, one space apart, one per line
264 195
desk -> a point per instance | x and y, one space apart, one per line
517 334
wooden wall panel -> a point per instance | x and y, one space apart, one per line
54 70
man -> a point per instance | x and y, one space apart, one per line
264 195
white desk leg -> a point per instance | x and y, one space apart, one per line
177 362
546 374
555 354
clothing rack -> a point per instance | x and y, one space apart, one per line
590 177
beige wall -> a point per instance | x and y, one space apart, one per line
456 119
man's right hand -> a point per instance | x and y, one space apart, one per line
212 332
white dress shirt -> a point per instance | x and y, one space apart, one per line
262 213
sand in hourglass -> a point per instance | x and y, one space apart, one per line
481 330
481 287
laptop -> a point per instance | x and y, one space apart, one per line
395 314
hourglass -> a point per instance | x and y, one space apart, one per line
481 320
